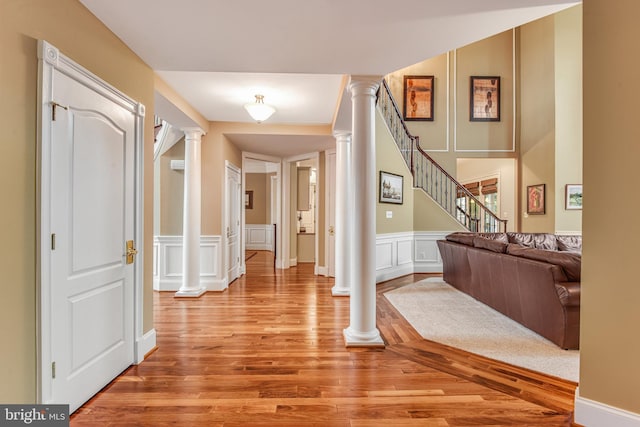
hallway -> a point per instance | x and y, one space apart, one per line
269 351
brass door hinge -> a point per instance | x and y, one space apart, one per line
54 105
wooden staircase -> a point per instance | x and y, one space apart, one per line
429 176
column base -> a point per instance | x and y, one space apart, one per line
338 291
190 293
359 339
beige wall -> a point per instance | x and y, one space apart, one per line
537 120
548 134
259 184
609 342
78 34
568 119
389 159
451 135
489 57
432 133
171 192
216 149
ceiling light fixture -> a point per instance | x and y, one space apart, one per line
259 110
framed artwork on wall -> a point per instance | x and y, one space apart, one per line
573 197
248 199
418 98
390 188
484 99
535 199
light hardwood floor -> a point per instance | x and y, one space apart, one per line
269 351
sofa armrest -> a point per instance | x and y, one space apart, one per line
569 293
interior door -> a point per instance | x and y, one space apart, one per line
92 201
331 214
234 204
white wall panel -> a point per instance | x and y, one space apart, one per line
168 259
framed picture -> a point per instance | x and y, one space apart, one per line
418 98
573 196
390 188
248 199
484 99
535 199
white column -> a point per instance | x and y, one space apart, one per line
344 218
362 331
191 217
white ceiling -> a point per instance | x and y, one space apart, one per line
218 54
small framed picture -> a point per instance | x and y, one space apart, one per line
390 188
535 199
248 199
484 99
573 197
418 98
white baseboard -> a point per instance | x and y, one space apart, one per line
145 344
259 247
293 262
590 413
215 285
321 270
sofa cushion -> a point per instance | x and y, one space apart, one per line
462 238
569 261
545 241
490 244
501 237
523 239
569 243
534 240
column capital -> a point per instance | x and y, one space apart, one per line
192 133
364 84
342 136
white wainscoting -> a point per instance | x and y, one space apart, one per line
258 237
167 263
399 254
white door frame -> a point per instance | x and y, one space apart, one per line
279 218
329 202
50 59
286 205
225 220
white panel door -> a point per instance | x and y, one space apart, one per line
92 217
331 214
234 204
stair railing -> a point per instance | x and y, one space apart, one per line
431 177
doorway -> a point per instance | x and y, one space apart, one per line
261 213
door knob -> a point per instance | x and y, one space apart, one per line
331 232
131 252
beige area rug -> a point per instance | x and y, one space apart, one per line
441 313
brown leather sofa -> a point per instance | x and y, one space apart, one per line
533 278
